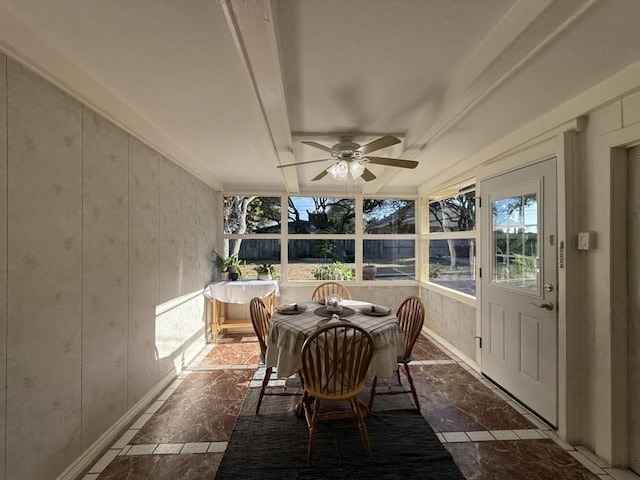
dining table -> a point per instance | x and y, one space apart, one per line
291 324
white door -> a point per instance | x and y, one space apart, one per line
633 305
519 285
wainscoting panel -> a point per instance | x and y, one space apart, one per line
143 269
105 285
44 275
3 257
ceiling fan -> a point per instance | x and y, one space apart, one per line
351 158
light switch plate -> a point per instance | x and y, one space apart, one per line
584 240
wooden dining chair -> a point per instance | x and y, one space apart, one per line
329 288
335 360
411 318
260 319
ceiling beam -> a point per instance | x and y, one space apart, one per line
253 32
512 43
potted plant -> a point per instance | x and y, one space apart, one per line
234 266
369 271
221 265
265 271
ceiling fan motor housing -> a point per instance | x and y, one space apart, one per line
346 149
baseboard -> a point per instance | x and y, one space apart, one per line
470 362
97 449
108 438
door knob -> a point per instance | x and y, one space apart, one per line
543 305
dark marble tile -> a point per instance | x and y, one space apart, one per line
517 460
163 467
203 408
453 400
427 350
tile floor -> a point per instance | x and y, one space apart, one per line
184 433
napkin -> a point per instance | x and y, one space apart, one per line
377 309
292 307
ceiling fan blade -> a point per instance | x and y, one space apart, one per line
367 176
317 145
382 142
302 163
392 162
322 174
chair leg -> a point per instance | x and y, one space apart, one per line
361 425
398 375
413 388
373 392
312 422
265 382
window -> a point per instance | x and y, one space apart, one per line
325 238
389 239
252 231
318 244
451 241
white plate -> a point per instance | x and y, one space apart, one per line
375 313
290 311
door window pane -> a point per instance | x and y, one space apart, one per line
515 242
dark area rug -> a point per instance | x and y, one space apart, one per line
273 445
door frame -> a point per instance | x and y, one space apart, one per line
612 147
563 145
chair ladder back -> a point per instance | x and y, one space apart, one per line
411 319
335 359
329 288
260 318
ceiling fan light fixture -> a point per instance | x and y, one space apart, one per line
356 169
339 170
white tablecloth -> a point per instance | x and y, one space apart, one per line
241 291
287 333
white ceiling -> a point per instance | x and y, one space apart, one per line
229 88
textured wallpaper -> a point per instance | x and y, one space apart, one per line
3 257
44 275
108 248
105 242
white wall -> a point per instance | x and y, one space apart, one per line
103 256
593 388
452 321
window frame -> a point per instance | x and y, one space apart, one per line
359 236
427 236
